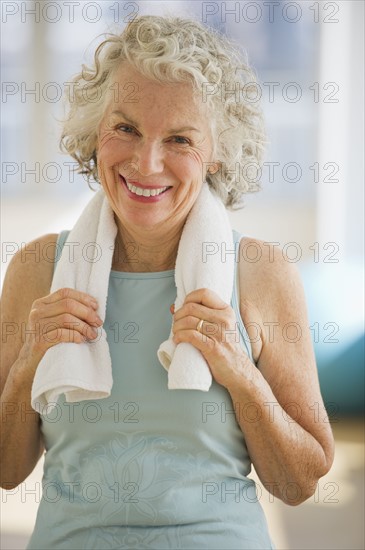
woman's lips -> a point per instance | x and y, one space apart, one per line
137 184
142 198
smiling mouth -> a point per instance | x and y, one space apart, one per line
146 191
141 191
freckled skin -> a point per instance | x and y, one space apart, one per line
148 152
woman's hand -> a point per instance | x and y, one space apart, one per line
66 315
217 338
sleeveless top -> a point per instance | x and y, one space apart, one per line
147 467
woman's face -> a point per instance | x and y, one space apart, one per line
154 148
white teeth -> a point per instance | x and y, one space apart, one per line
145 192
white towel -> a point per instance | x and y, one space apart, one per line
205 259
81 371
84 371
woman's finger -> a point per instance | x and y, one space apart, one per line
70 322
65 293
72 307
199 311
206 297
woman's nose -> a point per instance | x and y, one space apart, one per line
148 158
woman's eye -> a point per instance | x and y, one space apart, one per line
181 139
124 128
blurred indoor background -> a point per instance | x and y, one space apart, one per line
309 58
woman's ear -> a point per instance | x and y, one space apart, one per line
214 167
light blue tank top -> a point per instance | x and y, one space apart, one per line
147 467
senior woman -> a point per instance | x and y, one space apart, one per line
161 468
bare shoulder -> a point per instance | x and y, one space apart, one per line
30 271
271 298
28 277
265 272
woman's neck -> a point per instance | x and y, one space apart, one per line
140 251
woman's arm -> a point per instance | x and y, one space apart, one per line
28 277
33 321
278 405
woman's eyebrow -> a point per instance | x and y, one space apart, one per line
183 129
120 113
171 131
